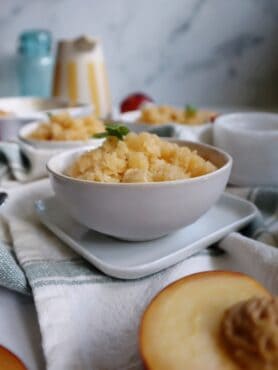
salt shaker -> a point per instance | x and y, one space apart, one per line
80 74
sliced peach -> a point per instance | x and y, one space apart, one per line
180 327
9 361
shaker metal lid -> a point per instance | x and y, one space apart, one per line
85 43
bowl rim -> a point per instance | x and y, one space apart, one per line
59 104
68 153
50 143
227 122
53 99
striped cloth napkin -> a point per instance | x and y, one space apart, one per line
89 320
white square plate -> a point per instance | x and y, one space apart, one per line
131 260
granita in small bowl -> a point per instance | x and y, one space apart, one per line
62 131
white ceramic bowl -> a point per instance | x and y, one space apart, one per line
25 109
34 107
44 144
142 211
252 140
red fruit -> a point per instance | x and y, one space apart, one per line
134 102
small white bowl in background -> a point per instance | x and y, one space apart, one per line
251 138
53 144
198 133
139 211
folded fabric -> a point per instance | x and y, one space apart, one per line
22 162
254 258
11 275
89 320
265 227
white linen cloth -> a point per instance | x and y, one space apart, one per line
90 321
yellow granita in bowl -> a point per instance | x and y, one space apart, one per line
63 127
139 158
161 114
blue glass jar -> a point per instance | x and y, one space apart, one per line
35 63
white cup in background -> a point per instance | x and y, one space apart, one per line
251 138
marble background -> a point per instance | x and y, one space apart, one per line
213 52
